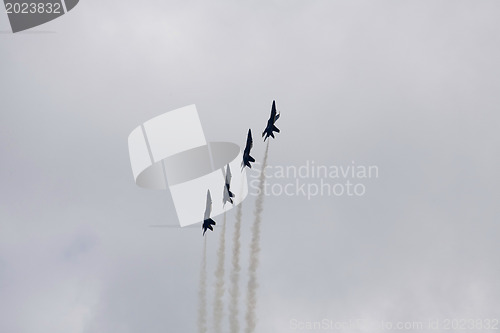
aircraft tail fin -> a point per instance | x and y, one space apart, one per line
266 133
207 224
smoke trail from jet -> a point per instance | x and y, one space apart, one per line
202 292
219 278
250 317
235 274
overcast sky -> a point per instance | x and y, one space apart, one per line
409 86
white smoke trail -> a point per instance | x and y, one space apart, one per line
219 278
202 292
251 319
235 274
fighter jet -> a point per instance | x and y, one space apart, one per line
228 195
246 153
270 123
208 222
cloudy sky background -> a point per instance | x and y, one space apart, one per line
411 87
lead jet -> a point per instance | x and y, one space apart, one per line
207 221
246 153
270 123
227 195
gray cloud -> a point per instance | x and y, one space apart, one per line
409 86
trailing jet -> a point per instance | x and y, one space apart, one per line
246 153
228 195
208 222
270 123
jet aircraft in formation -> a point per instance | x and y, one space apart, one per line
228 196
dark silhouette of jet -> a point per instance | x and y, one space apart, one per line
228 195
246 153
207 221
270 123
